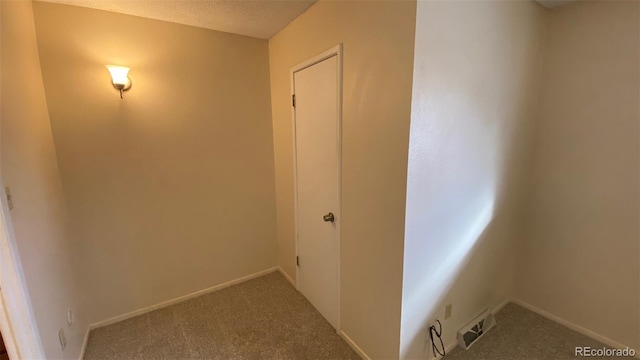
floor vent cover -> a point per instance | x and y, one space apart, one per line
474 330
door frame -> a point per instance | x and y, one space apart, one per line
17 322
337 52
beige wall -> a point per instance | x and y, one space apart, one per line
30 168
476 75
170 190
378 53
581 262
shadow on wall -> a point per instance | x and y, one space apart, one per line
473 105
451 205
473 229
458 235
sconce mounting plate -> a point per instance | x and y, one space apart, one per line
121 87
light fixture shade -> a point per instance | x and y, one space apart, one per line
119 75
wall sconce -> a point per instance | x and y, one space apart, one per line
120 78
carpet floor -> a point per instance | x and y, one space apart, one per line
263 318
266 318
524 335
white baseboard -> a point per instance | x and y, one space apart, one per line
501 306
354 346
450 347
447 349
577 328
454 343
286 276
180 299
554 318
84 342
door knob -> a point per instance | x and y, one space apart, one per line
329 217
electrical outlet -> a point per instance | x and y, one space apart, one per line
448 310
70 316
63 340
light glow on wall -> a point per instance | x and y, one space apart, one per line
420 302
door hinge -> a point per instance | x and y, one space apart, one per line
297 261
293 100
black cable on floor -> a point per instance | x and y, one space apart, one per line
438 334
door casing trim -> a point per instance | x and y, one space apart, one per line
17 320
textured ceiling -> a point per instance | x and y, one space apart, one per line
550 4
256 18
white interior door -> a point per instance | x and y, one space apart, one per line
317 146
